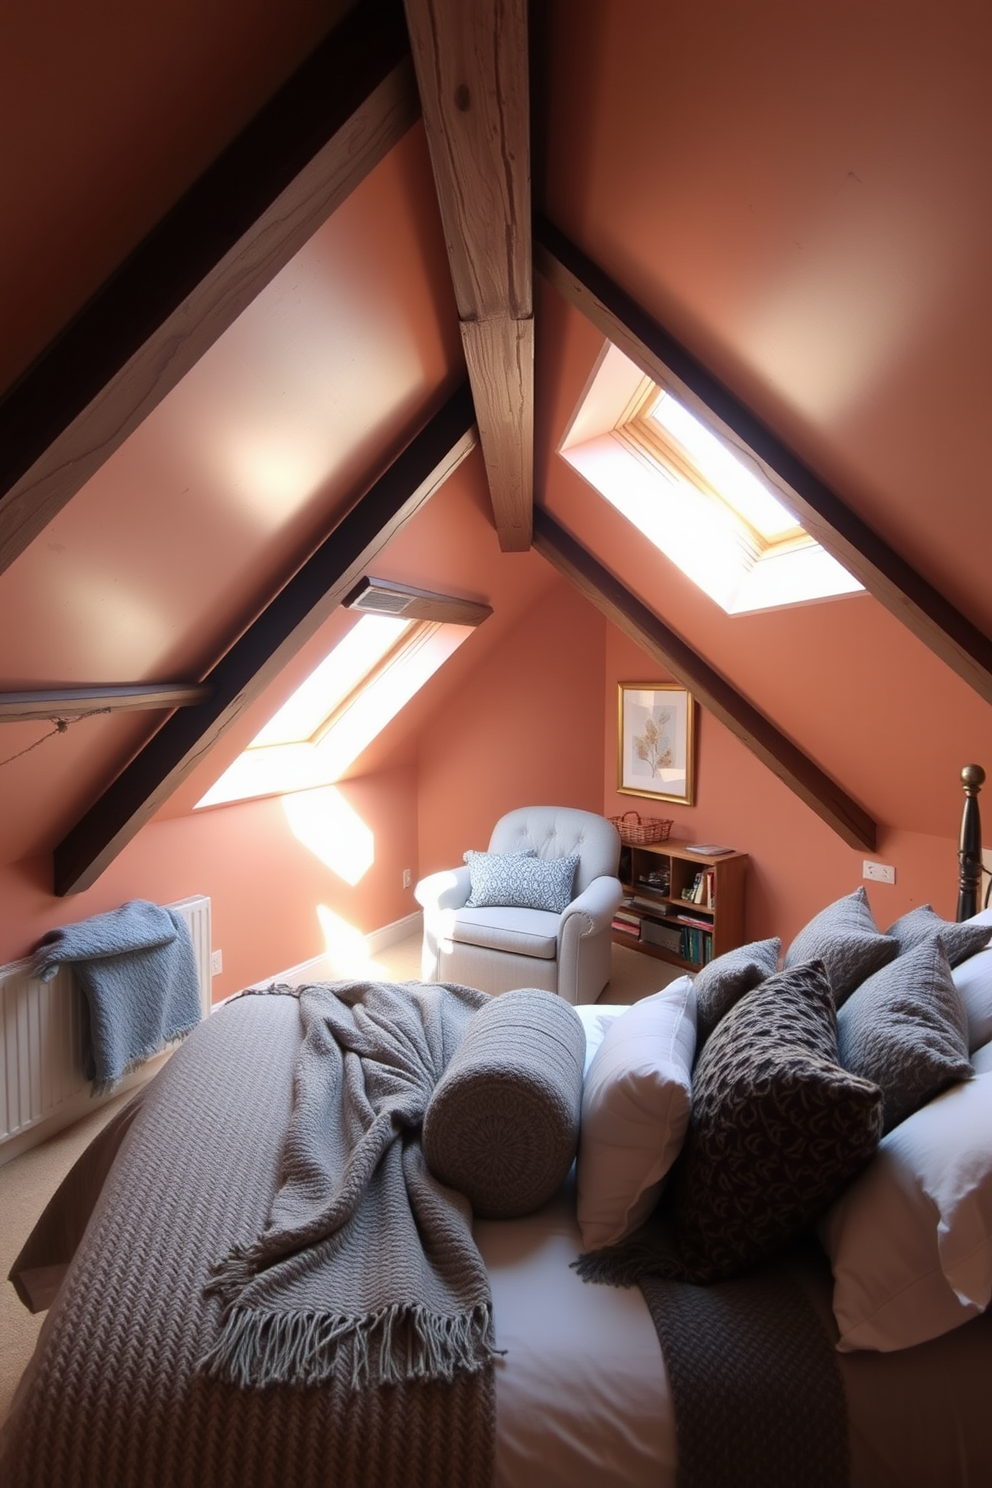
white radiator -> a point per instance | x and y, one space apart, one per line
42 1085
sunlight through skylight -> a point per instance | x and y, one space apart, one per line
735 483
338 674
333 831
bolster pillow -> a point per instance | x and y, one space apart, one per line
502 1125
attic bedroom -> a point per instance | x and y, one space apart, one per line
310 301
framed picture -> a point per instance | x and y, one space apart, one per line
656 742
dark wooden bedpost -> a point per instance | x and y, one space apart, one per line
970 850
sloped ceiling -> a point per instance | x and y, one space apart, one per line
801 197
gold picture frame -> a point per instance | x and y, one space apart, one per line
656 742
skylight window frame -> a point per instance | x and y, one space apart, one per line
614 444
646 439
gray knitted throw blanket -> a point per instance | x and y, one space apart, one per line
137 970
116 1396
366 1273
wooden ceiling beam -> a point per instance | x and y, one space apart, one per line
756 732
887 576
472 72
208 258
80 702
267 645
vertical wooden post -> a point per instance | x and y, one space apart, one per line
970 850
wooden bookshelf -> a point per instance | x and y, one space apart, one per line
687 931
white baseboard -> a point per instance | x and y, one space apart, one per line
320 968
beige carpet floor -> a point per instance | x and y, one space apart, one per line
28 1181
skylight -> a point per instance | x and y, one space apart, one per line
710 508
749 496
342 706
338 674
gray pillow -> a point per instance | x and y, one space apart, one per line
725 980
777 1128
502 1125
906 1028
520 881
846 939
959 940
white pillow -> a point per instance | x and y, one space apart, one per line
595 1019
635 1111
910 1242
973 979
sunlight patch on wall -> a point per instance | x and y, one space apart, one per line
345 947
327 826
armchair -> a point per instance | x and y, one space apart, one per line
498 948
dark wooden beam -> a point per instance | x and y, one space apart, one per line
190 278
266 646
78 702
471 64
892 581
784 758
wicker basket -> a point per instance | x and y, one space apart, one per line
642 830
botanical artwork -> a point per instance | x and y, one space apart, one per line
654 745
655 741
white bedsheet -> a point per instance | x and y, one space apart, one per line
583 1366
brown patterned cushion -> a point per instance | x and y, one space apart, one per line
846 939
959 940
725 980
906 1028
777 1127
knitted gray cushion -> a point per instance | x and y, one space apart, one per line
906 1029
959 940
520 881
777 1128
725 980
502 1125
846 939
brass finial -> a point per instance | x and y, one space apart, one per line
972 778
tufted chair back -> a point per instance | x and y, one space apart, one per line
557 832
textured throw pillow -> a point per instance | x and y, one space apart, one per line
635 1109
777 1127
503 1122
906 1029
725 980
960 940
910 1242
520 881
846 939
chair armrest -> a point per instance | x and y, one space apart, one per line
598 902
448 889
585 940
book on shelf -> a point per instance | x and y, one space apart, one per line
650 906
708 849
685 919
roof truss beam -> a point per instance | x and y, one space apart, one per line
887 576
292 617
784 758
472 72
208 258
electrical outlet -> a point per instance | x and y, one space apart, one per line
216 963
407 877
879 872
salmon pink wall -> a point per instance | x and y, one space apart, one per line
264 883
526 730
798 864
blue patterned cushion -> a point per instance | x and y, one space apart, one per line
520 881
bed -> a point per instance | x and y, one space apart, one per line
116 1393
